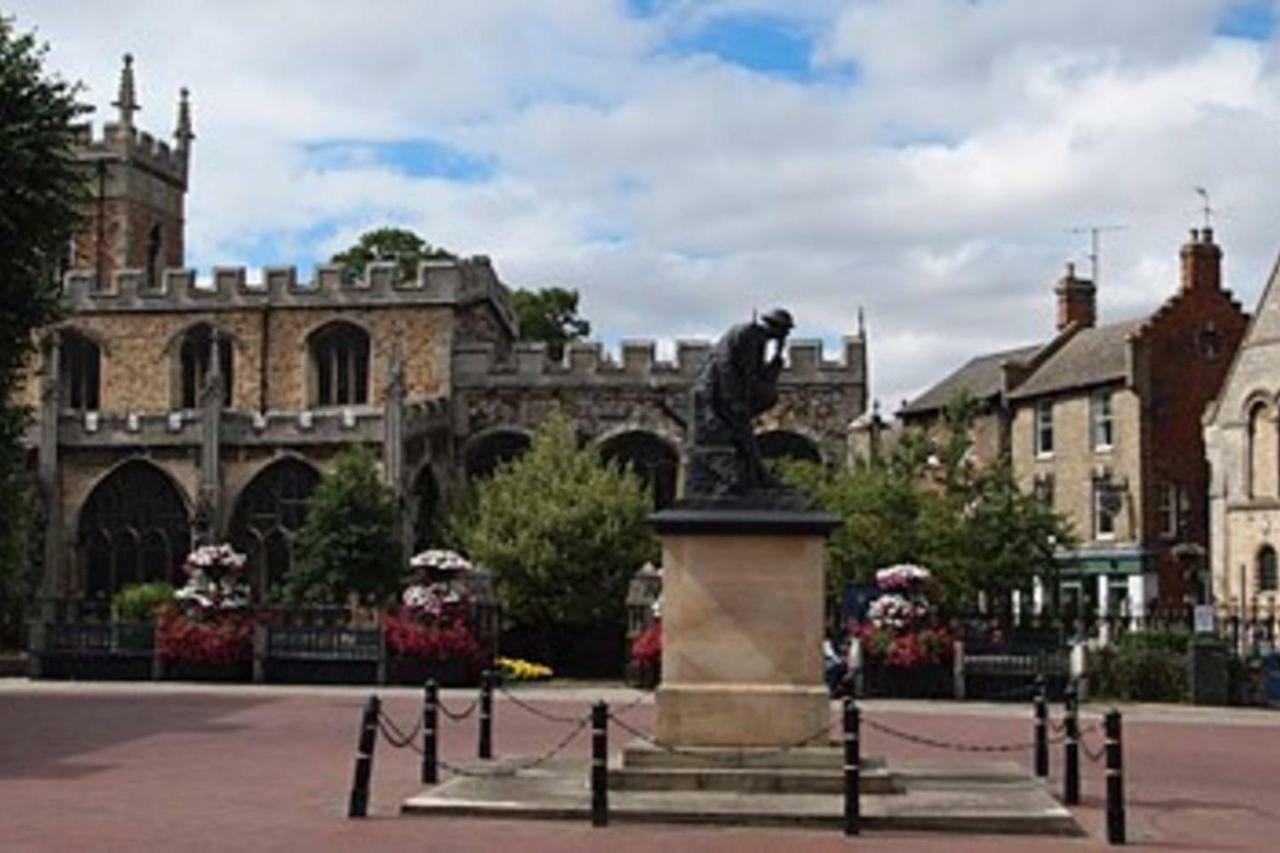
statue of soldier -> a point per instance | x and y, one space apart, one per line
738 383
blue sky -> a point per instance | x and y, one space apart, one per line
682 161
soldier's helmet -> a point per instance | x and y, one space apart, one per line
778 320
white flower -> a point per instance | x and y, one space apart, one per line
440 559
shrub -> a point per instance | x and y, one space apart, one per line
138 602
1138 674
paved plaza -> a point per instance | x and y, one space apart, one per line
197 767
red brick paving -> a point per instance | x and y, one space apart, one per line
141 769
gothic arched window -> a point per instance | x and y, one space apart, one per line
785 444
193 359
1263 452
133 528
268 514
653 460
1267 569
339 365
485 455
80 368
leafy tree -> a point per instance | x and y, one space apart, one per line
550 315
929 504
563 534
348 543
389 244
41 191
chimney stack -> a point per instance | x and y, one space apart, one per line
1075 300
1201 261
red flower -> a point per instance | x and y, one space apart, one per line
203 635
646 649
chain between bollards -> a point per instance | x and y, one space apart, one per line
852 769
1041 714
358 806
1115 778
486 714
1071 747
600 764
430 729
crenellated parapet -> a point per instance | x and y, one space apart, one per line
124 143
478 365
443 282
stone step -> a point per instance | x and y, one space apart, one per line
642 754
747 780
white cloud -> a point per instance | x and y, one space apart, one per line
678 191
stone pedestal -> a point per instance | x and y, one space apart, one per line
742 616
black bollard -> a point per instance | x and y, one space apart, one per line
852 769
1041 713
1071 748
430 727
486 714
600 764
1115 779
358 806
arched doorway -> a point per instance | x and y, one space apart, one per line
489 451
268 515
134 528
653 460
785 444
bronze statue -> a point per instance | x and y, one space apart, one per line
738 383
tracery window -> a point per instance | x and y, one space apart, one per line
653 460
339 365
268 515
134 528
1263 447
194 365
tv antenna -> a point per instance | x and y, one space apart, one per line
1206 209
1095 233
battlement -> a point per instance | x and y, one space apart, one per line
444 282
478 365
128 144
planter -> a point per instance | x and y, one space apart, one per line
642 676
919 682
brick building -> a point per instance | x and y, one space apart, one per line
171 409
1104 421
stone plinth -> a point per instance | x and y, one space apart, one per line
742 612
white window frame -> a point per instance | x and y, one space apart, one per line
1100 487
1043 427
1101 417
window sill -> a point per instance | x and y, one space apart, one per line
1103 449
1041 456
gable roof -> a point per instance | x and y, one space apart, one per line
981 376
1093 356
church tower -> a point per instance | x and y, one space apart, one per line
137 192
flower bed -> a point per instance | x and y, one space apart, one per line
207 631
905 650
429 634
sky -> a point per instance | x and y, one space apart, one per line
679 163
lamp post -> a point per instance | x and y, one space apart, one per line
1057 588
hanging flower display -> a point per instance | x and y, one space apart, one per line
209 621
902 628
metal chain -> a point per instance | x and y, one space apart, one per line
537 712
399 740
958 747
508 769
1095 757
734 761
622 709
458 716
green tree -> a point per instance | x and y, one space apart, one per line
348 543
389 244
550 315
41 192
563 534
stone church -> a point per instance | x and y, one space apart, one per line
172 408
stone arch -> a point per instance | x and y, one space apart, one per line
134 527
425 500
485 452
653 458
269 512
339 364
778 444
